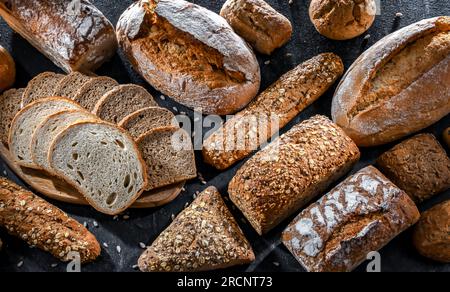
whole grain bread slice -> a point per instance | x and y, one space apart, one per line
26 122
102 162
41 86
122 101
147 119
91 92
71 84
9 106
204 236
169 156
48 130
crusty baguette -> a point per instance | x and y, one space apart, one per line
41 86
7 70
291 171
381 98
361 215
203 237
272 109
40 224
75 35
147 119
190 54
10 102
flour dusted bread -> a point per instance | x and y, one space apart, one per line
399 86
7 69
10 102
26 122
71 84
361 215
93 90
147 119
190 54
75 35
122 101
102 162
203 237
41 86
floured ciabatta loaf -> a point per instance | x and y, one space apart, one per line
399 86
74 34
362 214
190 54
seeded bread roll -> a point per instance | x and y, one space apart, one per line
381 98
41 86
419 166
258 23
361 215
7 70
190 54
291 171
203 237
146 120
70 84
271 110
10 102
75 35
40 224
93 90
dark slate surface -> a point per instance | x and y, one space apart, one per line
145 225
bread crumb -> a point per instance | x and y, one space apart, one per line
267 62
126 217
162 97
95 224
105 245
399 15
142 245
119 249
20 264
53 266
367 37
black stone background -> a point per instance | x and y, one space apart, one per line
145 225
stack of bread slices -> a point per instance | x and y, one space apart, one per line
111 142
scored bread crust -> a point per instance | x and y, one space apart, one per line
208 28
404 113
7 69
78 188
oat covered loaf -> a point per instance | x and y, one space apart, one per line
362 214
204 236
291 171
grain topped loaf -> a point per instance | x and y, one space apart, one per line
121 101
93 90
26 122
102 162
272 110
203 237
48 130
147 119
9 106
291 171
41 86
70 84
361 215
190 54
169 156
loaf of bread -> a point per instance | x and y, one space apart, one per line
75 35
40 224
419 166
271 110
190 54
432 234
361 215
7 70
291 171
204 236
381 98
258 23
446 136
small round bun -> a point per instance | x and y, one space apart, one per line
342 19
7 70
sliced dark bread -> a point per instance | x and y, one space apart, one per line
26 122
122 101
48 130
102 161
147 119
203 237
169 155
71 84
41 86
9 106
91 92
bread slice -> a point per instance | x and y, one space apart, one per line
41 86
49 129
9 106
91 92
147 119
203 237
169 155
26 122
102 162
122 101
71 84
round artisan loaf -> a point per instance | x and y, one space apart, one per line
7 70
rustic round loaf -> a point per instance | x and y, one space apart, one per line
7 70
431 235
342 19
